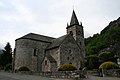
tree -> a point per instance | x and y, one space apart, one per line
92 62
6 57
106 56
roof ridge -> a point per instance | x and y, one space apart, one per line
59 41
40 35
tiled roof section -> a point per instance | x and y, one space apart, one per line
56 42
50 58
37 37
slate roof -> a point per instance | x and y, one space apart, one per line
74 20
57 42
33 36
50 58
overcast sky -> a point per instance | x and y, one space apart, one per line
50 17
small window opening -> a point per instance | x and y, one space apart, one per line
68 58
69 51
71 33
70 63
35 52
79 32
45 62
80 43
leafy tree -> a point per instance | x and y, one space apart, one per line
106 56
92 62
1 51
107 37
8 67
6 57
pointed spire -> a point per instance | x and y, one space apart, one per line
74 19
67 24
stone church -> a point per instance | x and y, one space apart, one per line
42 53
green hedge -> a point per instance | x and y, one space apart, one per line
108 65
67 67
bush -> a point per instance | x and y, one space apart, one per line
8 67
105 56
92 62
23 69
67 67
108 65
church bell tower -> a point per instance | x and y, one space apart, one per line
76 30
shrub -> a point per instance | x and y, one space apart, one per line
105 56
23 69
108 65
8 67
67 67
92 62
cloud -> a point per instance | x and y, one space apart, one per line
50 17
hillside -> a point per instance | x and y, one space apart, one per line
107 40
1 51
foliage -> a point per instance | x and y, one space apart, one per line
8 67
67 67
6 57
108 65
92 62
108 36
105 56
1 52
24 69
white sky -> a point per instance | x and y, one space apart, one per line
50 17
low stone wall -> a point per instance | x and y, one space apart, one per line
64 74
111 72
60 74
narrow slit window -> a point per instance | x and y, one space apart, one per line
68 58
45 62
35 52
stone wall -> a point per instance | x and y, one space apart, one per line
55 53
29 53
78 34
70 52
111 72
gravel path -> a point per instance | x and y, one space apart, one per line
14 76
